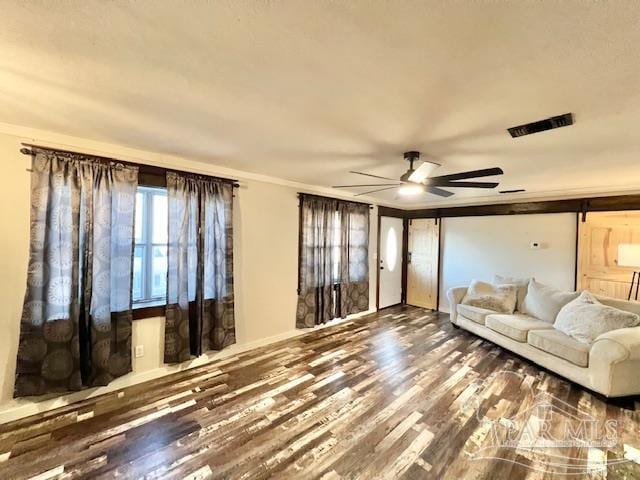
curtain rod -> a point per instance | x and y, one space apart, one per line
334 198
28 150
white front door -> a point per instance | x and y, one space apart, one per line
390 261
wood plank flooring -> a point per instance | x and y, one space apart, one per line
398 394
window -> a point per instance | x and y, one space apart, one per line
150 256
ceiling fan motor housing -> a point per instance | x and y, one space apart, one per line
410 157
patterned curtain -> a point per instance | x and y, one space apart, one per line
75 330
353 293
333 270
319 246
200 308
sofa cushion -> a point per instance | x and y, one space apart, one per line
561 345
514 326
545 302
476 314
521 283
499 298
585 318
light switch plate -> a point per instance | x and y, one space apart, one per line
139 351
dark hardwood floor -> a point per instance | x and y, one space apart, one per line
398 394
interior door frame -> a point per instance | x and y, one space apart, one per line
394 213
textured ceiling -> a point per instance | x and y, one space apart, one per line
307 91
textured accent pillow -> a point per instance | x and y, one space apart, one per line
521 283
585 318
499 298
545 302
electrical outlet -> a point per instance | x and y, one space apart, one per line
139 351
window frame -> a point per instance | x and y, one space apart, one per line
149 306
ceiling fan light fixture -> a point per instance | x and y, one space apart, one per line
410 190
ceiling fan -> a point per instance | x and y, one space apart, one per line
417 180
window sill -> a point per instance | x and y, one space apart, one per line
150 303
149 311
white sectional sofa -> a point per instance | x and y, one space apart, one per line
610 366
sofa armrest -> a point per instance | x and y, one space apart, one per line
455 296
614 362
625 341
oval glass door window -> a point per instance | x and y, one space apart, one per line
392 249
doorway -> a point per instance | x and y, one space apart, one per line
599 268
422 263
390 262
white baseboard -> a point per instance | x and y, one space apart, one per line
20 408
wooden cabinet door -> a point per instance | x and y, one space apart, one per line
422 266
599 237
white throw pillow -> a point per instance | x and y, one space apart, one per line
521 283
499 298
585 318
545 302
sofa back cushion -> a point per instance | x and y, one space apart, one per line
544 302
499 298
585 318
521 283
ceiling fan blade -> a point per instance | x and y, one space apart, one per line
378 190
467 184
485 172
439 191
374 176
423 171
369 185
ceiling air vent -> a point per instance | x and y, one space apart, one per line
541 125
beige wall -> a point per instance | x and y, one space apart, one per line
481 247
265 249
